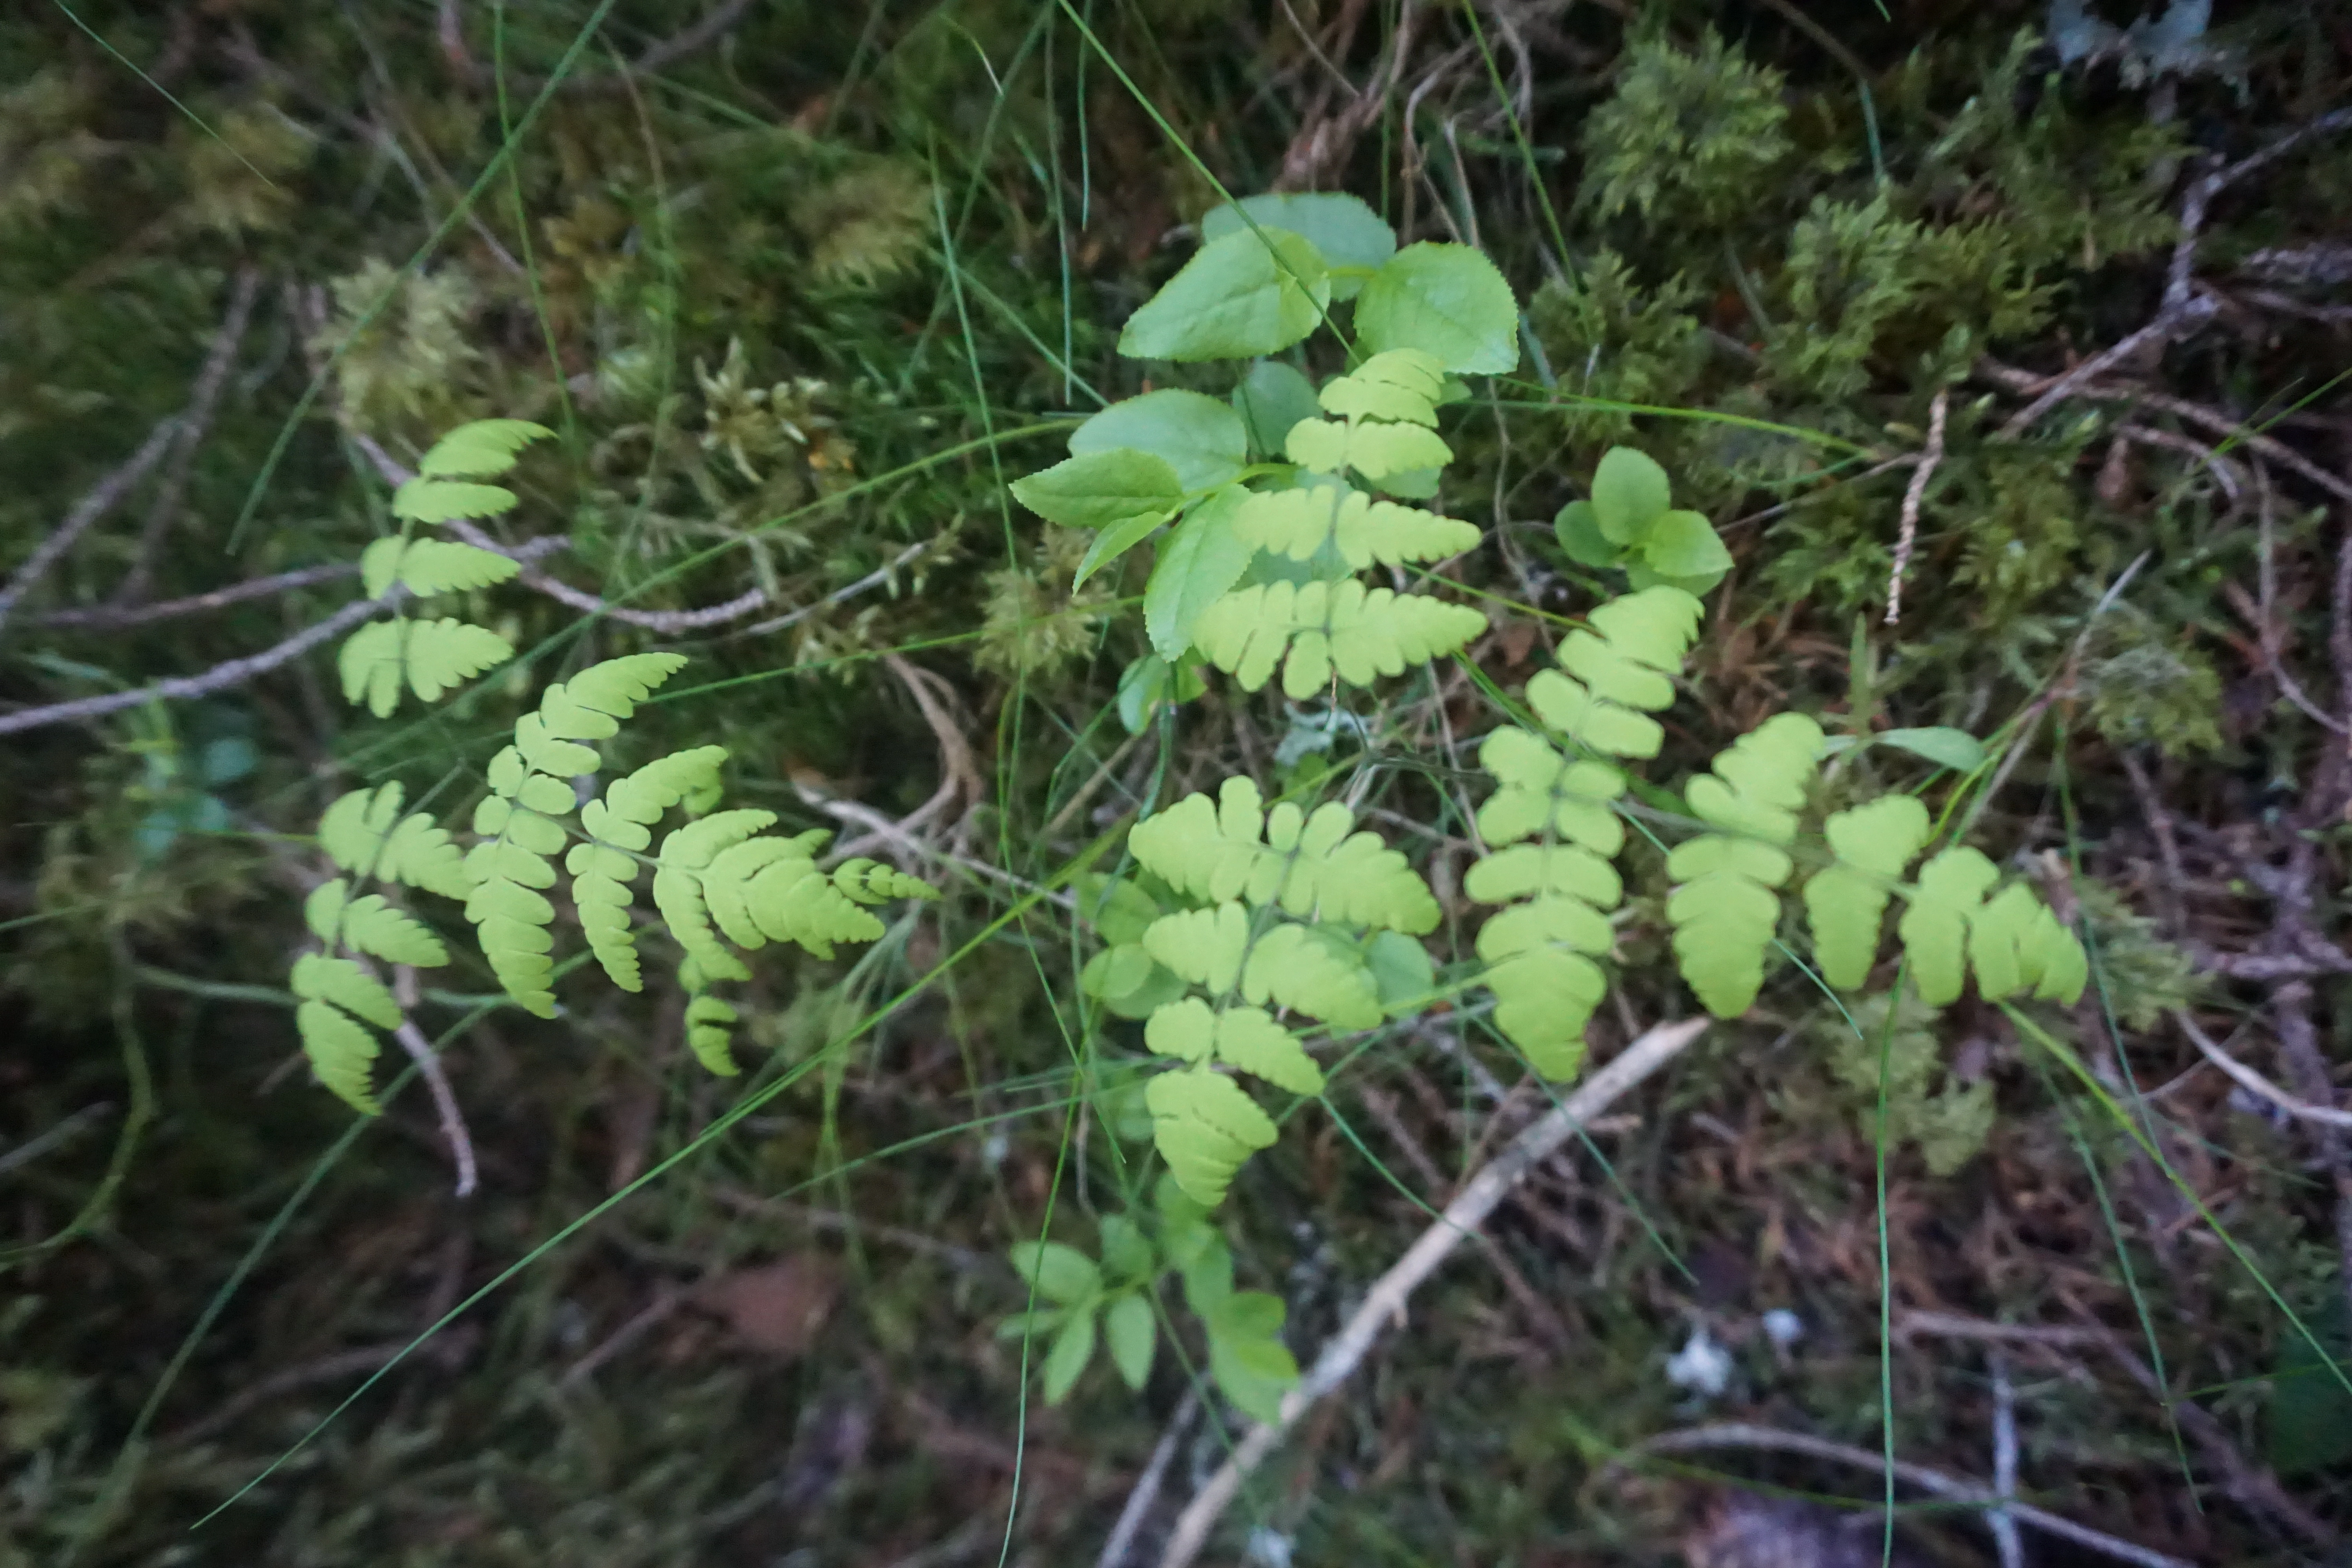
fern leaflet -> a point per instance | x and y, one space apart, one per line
1327 629
1726 908
1299 522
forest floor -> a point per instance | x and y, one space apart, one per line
2004 348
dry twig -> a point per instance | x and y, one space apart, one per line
1931 457
1385 1302
1953 1489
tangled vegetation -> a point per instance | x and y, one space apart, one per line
1698 656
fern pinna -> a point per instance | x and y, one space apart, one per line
720 882
1289 908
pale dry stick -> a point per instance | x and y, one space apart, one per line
959 775
1102 775
1385 1302
428 1065
111 617
164 510
2001 1520
666 1301
1769 1439
2255 1083
1930 458
100 500
1147 1486
875 579
2225 472
221 677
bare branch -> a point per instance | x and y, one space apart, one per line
1385 1302
100 500
1929 458
428 1065
1738 1435
109 618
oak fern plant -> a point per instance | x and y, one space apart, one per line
721 882
1248 938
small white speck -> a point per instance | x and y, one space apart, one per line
994 1147
1782 1327
1269 1548
1702 1366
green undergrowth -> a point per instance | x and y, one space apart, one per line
1298 794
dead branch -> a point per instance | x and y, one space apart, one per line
428 1065
102 499
113 617
1738 1435
220 677
1386 1301
1931 457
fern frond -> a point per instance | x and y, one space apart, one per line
1313 866
2013 941
480 450
1544 793
1376 448
1295 966
1206 1126
332 990
1298 523
431 656
371 924
1874 842
1545 986
1401 384
871 882
342 1052
444 501
363 833
426 566
709 1035
1328 628
1246 1038
1614 675
1727 907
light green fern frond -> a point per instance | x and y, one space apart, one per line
363 833
483 450
1299 522
2012 941
1206 1127
1613 676
1872 842
332 991
427 566
1245 1038
1539 953
1314 867
1387 409
371 924
429 656
1543 794
1727 907
1328 628
443 490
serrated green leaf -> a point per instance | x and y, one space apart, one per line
1198 563
1115 542
1202 439
442 654
1343 228
1249 1039
1375 449
322 911
710 1034
1935 927
1102 490
1240 297
1314 867
1447 300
